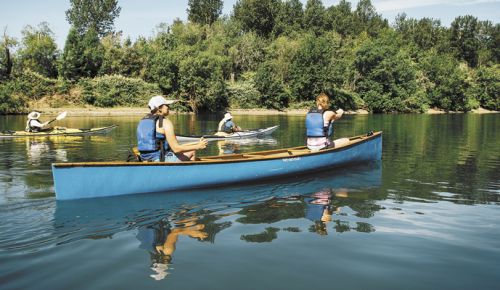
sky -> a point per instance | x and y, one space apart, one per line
141 17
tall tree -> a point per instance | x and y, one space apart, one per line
98 15
289 18
5 57
38 50
204 11
82 56
315 16
368 19
464 38
340 18
257 15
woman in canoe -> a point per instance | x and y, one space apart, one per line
226 126
156 138
34 124
319 123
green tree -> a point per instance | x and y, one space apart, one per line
315 16
96 15
487 87
273 92
82 56
246 54
448 87
310 68
38 50
201 83
289 18
6 62
464 38
204 11
387 80
341 19
257 15
367 19
426 33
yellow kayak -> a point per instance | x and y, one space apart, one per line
57 131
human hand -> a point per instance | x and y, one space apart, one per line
339 113
202 144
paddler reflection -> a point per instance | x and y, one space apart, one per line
38 150
160 241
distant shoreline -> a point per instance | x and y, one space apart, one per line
132 111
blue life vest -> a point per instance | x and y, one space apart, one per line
315 124
148 140
228 126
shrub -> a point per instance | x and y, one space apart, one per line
10 102
115 90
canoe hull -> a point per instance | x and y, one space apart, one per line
65 132
96 180
237 135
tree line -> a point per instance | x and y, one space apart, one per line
274 54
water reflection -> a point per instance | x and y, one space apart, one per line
311 204
234 146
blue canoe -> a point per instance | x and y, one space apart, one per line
99 179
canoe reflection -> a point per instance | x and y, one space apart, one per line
314 204
234 146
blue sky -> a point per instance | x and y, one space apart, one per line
140 17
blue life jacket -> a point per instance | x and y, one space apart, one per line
228 126
148 140
315 125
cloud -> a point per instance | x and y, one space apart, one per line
395 5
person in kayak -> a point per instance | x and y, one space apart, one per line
319 123
156 138
34 124
227 126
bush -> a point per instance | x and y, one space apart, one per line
115 90
243 95
10 102
34 85
487 87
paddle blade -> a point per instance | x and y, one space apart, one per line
61 116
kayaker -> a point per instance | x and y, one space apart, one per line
227 126
34 125
319 123
156 138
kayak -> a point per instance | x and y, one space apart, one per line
58 131
235 135
100 179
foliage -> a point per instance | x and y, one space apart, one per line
257 15
82 56
387 76
33 85
243 94
201 83
274 95
204 11
449 88
110 91
10 101
96 15
6 63
487 87
38 50
311 65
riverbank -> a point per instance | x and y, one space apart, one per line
131 111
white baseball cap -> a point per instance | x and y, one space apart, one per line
157 101
34 115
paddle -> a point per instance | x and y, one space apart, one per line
59 117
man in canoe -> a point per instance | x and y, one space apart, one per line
156 138
319 124
226 126
34 124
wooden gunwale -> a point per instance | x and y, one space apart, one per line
231 158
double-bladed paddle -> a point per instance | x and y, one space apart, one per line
59 117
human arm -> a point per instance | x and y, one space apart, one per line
168 130
332 116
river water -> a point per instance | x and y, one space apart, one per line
425 217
